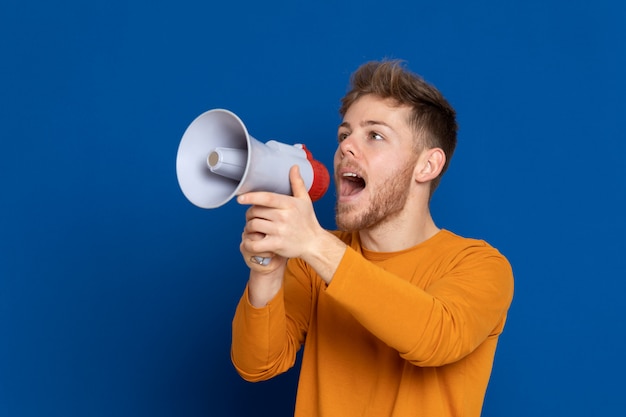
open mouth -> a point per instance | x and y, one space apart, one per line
351 184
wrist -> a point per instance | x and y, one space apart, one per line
325 254
264 285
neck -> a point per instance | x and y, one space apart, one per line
409 228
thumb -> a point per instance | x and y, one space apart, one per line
298 187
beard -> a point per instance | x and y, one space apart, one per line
383 206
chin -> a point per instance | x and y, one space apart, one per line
346 227
346 218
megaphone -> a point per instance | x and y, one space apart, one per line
217 159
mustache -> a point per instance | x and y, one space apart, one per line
348 167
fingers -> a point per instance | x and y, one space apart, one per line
276 225
253 240
298 187
255 260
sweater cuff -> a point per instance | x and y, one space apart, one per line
341 278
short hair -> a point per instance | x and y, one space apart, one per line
432 117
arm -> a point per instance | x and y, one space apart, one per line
265 336
266 340
259 325
432 322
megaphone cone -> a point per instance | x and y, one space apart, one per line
217 159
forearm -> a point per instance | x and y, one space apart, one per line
260 348
428 327
263 286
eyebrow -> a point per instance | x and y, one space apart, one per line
367 123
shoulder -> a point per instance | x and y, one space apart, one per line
449 240
463 252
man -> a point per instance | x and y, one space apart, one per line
397 316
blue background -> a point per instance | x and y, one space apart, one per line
116 293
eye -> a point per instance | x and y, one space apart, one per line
341 136
376 136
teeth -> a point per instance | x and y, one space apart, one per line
350 174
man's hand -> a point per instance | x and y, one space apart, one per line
279 224
277 228
282 227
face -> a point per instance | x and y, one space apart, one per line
374 163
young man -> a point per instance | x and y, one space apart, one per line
397 316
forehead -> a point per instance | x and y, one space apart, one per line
373 108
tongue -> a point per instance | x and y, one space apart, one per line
352 186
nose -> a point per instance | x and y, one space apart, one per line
347 146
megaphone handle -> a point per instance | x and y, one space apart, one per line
261 260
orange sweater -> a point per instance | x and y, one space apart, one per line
408 333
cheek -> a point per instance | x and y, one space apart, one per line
337 157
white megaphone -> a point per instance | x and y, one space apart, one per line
217 159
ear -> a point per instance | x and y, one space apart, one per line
429 165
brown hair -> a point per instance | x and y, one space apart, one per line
432 117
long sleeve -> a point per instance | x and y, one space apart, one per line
265 340
436 316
